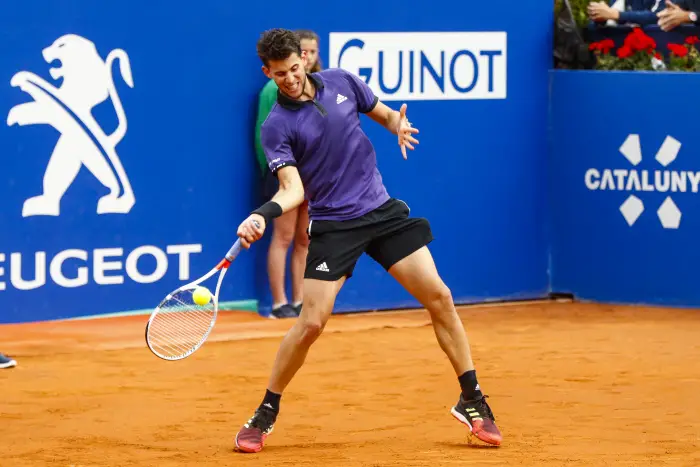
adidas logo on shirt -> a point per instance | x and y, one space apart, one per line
323 267
340 99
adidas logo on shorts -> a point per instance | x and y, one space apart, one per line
341 98
323 267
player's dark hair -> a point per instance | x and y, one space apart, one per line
278 44
310 35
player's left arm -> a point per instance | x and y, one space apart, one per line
369 104
396 123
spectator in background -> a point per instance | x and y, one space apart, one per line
290 227
641 12
676 14
6 362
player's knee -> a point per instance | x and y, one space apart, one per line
311 330
441 299
444 295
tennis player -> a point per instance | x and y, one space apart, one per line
290 227
315 146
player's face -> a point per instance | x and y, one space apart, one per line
310 46
289 74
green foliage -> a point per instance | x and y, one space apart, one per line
578 8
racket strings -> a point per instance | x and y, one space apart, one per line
180 325
173 337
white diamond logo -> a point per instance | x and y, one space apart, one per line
669 214
631 209
632 149
668 151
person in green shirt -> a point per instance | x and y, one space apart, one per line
291 226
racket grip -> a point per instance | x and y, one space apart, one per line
233 252
236 248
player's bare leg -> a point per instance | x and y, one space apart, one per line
298 260
419 276
318 306
282 236
320 298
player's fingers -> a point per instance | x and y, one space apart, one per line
413 130
406 136
249 233
245 243
242 234
255 228
402 111
409 146
403 151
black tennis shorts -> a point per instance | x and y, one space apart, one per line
386 234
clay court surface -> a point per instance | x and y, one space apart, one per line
570 384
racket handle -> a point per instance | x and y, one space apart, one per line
233 252
236 248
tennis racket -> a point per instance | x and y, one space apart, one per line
178 326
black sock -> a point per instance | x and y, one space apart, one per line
469 385
271 401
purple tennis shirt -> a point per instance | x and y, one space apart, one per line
323 139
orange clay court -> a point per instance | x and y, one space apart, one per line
570 384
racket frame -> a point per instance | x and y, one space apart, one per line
222 267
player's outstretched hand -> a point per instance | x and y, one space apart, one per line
406 132
251 230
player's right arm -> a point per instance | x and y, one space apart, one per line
276 141
291 191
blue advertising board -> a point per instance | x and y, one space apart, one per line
127 146
625 176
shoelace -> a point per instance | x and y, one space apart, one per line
484 407
263 420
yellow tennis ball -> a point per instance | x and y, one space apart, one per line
201 296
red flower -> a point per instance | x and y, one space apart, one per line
625 51
657 56
678 50
603 46
606 45
692 40
649 43
633 42
637 40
